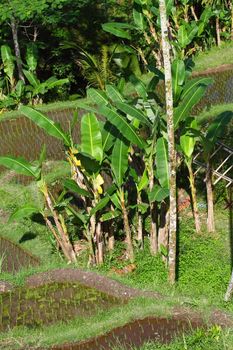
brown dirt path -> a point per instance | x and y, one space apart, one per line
89 279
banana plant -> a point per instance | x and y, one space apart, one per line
85 161
14 98
36 89
187 143
185 36
119 167
187 93
8 64
59 228
121 114
141 181
141 113
16 93
208 141
144 26
32 57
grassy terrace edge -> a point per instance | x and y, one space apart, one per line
215 57
50 107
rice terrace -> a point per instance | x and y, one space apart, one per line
116 175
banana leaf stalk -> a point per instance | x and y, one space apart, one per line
62 236
194 198
127 229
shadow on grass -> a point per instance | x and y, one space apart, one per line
27 236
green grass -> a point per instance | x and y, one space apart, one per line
214 57
203 267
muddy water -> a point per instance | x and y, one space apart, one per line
21 137
15 257
51 303
220 92
136 333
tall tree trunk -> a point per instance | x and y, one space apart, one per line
129 243
14 29
210 199
171 142
194 198
217 25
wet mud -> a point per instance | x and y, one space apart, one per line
136 333
51 303
15 257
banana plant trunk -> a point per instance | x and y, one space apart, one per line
171 142
111 242
210 198
111 237
14 29
194 13
129 243
218 37
163 229
79 179
194 198
140 223
153 228
62 236
100 244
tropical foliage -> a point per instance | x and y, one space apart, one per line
122 181
79 50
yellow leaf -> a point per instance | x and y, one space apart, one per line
97 182
100 190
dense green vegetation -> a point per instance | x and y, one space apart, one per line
79 53
125 200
